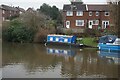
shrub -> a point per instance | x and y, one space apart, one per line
68 32
18 33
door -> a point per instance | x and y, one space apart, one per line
105 24
90 24
67 24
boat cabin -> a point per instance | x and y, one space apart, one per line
109 43
107 39
61 38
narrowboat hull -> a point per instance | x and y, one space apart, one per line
109 47
67 45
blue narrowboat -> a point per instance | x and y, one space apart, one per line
109 43
65 40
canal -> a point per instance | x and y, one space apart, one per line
39 61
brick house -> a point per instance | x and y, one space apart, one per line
8 11
80 16
98 15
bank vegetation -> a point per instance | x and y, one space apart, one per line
32 26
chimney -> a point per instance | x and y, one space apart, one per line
76 2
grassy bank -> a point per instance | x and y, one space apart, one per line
89 41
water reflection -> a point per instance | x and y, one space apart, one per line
110 56
65 52
36 60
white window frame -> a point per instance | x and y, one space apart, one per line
3 11
104 27
96 22
69 13
67 25
77 21
90 13
97 13
79 13
107 13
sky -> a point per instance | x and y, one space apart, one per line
37 3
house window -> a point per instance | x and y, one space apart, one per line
79 13
79 22
97 13
105 24
3 11
95 22
90 13
69 13
67 24
107 13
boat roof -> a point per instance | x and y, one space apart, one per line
61 35
107 39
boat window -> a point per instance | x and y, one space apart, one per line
65 40
117 41
51 38
57 39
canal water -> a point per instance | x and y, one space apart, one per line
39 61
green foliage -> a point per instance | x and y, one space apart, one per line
46 9
53 12
79 41
16 32
92 32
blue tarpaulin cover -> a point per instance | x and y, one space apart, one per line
107 39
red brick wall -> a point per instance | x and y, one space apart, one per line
73 19
8 13
86 18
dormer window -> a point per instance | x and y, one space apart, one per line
69 13
79 13
90 13
107 13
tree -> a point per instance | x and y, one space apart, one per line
114 6
119 19
53 12
46 9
